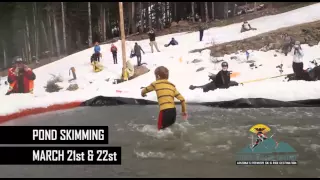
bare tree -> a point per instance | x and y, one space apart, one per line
5 63
45 35
27 41
255 6
235 9
192 11
64 27
25 49
50 33
108 20
103 19
55 26
212 10
164 12
149 15
90 27
36 34
226 10
141 17
175 11
206 11
129 18
133 19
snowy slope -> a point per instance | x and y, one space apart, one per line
181 73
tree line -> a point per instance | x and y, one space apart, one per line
36 30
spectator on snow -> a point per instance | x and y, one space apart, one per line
173 42
132 53
137 51
97 50
287 44
246 27
129 70
114 50
221 80
201 30
94 58
152 38
196 18
297 64
20 78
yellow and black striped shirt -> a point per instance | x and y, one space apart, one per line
166 92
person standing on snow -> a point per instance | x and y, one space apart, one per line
201 30
137 51
287 44
97 50
152 38
114 50
297 64
20 78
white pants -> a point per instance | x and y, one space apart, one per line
154 43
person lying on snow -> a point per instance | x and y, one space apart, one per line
166 92
310 74
173 42
246 27
97 67
219 81
20 78
288 43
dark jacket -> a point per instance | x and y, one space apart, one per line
152 36
95 57
222 79
173 42
201 27
137 50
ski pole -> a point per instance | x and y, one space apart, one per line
261 79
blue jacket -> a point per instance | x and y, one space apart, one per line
97 49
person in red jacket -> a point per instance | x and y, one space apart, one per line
114 50
20 78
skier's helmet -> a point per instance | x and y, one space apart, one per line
17 60
224 64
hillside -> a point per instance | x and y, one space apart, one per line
184 26
308 33
184 71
